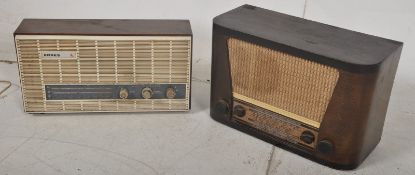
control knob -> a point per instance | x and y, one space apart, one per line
239 111
307 137
147 93
170 93
123 93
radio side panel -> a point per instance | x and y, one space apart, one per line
341 132
221 86
380 101
355 117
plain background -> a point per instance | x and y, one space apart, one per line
191 143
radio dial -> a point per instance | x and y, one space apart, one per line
123 93
170 93
222 107
307 137
147 93
239 111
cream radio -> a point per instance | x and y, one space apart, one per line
104 65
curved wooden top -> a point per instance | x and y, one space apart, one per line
321 39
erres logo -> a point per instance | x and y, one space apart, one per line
52 55
58 54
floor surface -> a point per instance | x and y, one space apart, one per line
192 143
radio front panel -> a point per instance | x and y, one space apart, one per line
113 92
274 124
280 82
63 73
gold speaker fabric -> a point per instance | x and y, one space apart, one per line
281 82
107 60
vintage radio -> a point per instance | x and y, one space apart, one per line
314 89
104 65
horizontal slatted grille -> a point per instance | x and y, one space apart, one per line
103 60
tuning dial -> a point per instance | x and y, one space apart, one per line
147 93
307 137
123 93
170 93
239 111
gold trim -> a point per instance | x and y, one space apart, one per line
277 110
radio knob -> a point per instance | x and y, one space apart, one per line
307 137
222 107
147 93
239 111
123 93
170 93
325 147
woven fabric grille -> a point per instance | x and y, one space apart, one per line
281 80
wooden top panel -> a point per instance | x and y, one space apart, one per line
106 27
328 41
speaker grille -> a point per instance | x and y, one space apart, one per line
103 60
281 82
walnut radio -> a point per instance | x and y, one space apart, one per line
104 65
314 89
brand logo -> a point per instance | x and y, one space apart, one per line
51 55
58 54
